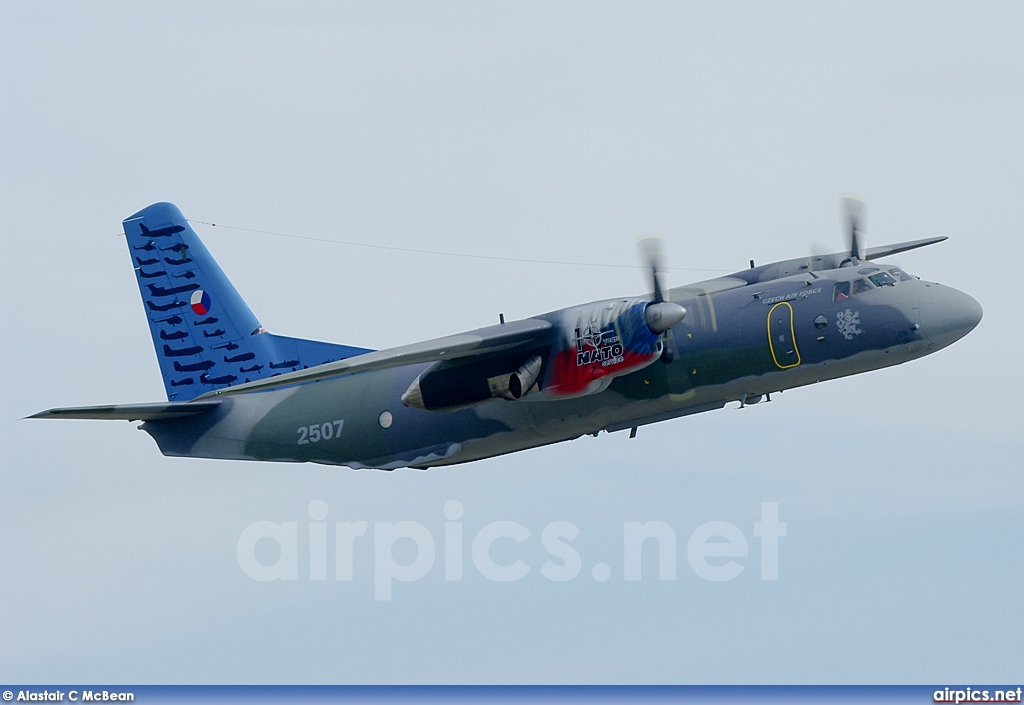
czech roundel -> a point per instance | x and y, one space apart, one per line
200 302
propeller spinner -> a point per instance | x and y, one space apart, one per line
660 315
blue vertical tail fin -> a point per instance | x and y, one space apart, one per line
205 336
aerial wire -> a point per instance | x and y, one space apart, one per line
444 253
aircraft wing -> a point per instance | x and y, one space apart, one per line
886 250
803 265
481 341
709 286
130 412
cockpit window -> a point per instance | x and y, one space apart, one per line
841 291
860 285
882 279
901 275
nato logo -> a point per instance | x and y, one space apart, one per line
200 302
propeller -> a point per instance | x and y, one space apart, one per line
660 315
817 252
855 209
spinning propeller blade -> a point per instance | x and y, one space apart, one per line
855 209
650 251
661 315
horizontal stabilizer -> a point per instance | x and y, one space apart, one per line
130 412
482 341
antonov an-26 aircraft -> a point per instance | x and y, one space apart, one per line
235 391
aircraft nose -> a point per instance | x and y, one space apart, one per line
947 314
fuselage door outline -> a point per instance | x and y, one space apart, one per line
782 336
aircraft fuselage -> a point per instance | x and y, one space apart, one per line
734 345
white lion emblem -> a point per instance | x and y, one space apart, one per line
847 322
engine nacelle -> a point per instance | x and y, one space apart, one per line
605 340
589 347
456 384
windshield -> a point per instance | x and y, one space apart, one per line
875 278
882 279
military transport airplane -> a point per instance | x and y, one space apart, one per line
237 392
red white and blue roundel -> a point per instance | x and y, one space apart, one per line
200 302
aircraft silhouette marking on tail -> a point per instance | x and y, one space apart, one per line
160 232
148 247
194 367
182 382
151 275
146 262
156 290
226 379
207 321
164 307
282 365
179 248
219 333
254 368
176 335
226 346
182 352
187 275
184 260
171 320
244 357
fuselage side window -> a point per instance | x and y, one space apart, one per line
841 291
860 286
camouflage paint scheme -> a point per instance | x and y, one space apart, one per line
744 336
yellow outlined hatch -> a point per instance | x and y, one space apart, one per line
780 330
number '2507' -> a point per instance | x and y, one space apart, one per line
319 432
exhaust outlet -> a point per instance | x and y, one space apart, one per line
515 385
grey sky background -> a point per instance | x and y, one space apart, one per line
532 130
